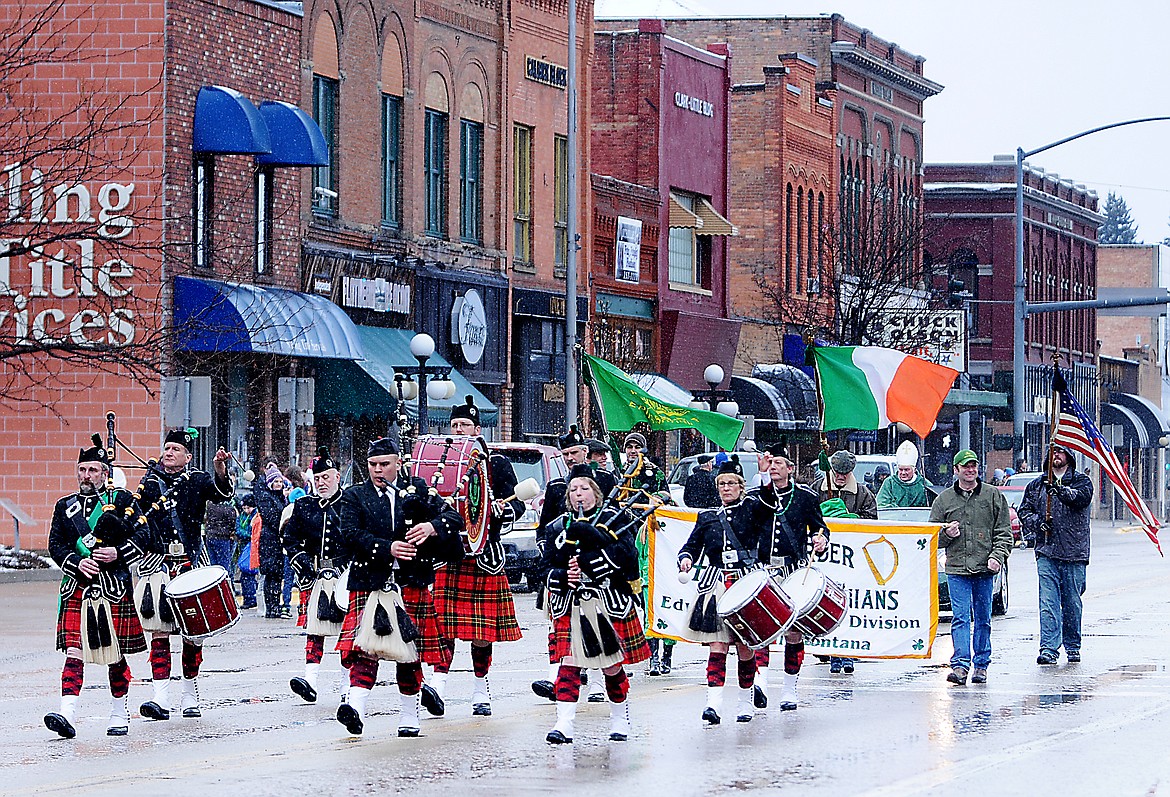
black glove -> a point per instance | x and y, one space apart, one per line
1044 529
595 565
303 569
558 581
1066 494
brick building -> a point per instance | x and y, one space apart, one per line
971 210
660 118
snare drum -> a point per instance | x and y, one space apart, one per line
756 609
821 603
462 478
203 602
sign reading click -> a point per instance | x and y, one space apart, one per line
547 73
470 325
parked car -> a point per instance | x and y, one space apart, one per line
867 464
1021 480
686 466
530 461
999 599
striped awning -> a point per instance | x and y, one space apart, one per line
713 222
681 217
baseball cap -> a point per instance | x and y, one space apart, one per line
965 456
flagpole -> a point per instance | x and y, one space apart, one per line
1053 419
810 343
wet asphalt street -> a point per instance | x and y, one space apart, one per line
893 728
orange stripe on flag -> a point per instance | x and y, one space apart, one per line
917 392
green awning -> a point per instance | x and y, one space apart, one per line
973 399
367 387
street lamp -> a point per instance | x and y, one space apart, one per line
1020 302
422 347
714 399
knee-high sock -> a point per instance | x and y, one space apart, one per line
763 657
793 657
449 646
363 671
481 659
716 669
72 676
192 658
746 669
568 684
410 678
617 686
119 678
314 649
160 658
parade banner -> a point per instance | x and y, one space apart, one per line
889 571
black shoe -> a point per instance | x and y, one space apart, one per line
60 726
408 733
667 654
1074 656
654 667
302 689
597 697
958 676
710 716
192 712
744 718
617 737
117 730
481 710
788 705
979 675
153 711
432 702
847 666
556 737
545 689
347 715
835 666
1047 657
759 698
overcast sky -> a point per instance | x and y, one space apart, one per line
1022 73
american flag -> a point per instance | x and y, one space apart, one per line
1076 431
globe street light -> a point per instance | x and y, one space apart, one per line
422 347
714 399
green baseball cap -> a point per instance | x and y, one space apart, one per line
965 456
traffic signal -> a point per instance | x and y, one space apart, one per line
957 292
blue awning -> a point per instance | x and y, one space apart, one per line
220 317
226 122
388 350
296 138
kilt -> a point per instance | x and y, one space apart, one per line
421 608
474 605
303 607
127 626
629 631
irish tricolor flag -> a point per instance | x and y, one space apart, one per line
868 387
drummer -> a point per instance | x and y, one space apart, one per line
397 530
472 597
788 515
313 545
724 542
95 535
591 559
174 497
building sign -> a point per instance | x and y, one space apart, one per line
379 295
553 392
936 335
547 73
1060 222
693 104
881 91
469 326
628 250
68 290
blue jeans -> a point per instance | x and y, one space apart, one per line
971 603
220 553
1061 586
286 591
248 587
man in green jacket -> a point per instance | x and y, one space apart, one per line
977 536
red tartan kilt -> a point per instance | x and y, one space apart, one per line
127 626
421 608
475 605
629 631
303 607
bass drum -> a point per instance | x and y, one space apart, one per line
756 609
821 603
458 468
203 602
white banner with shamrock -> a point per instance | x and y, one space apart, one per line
889 571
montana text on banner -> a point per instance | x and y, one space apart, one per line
870 387
889 571
624 404
1077 432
